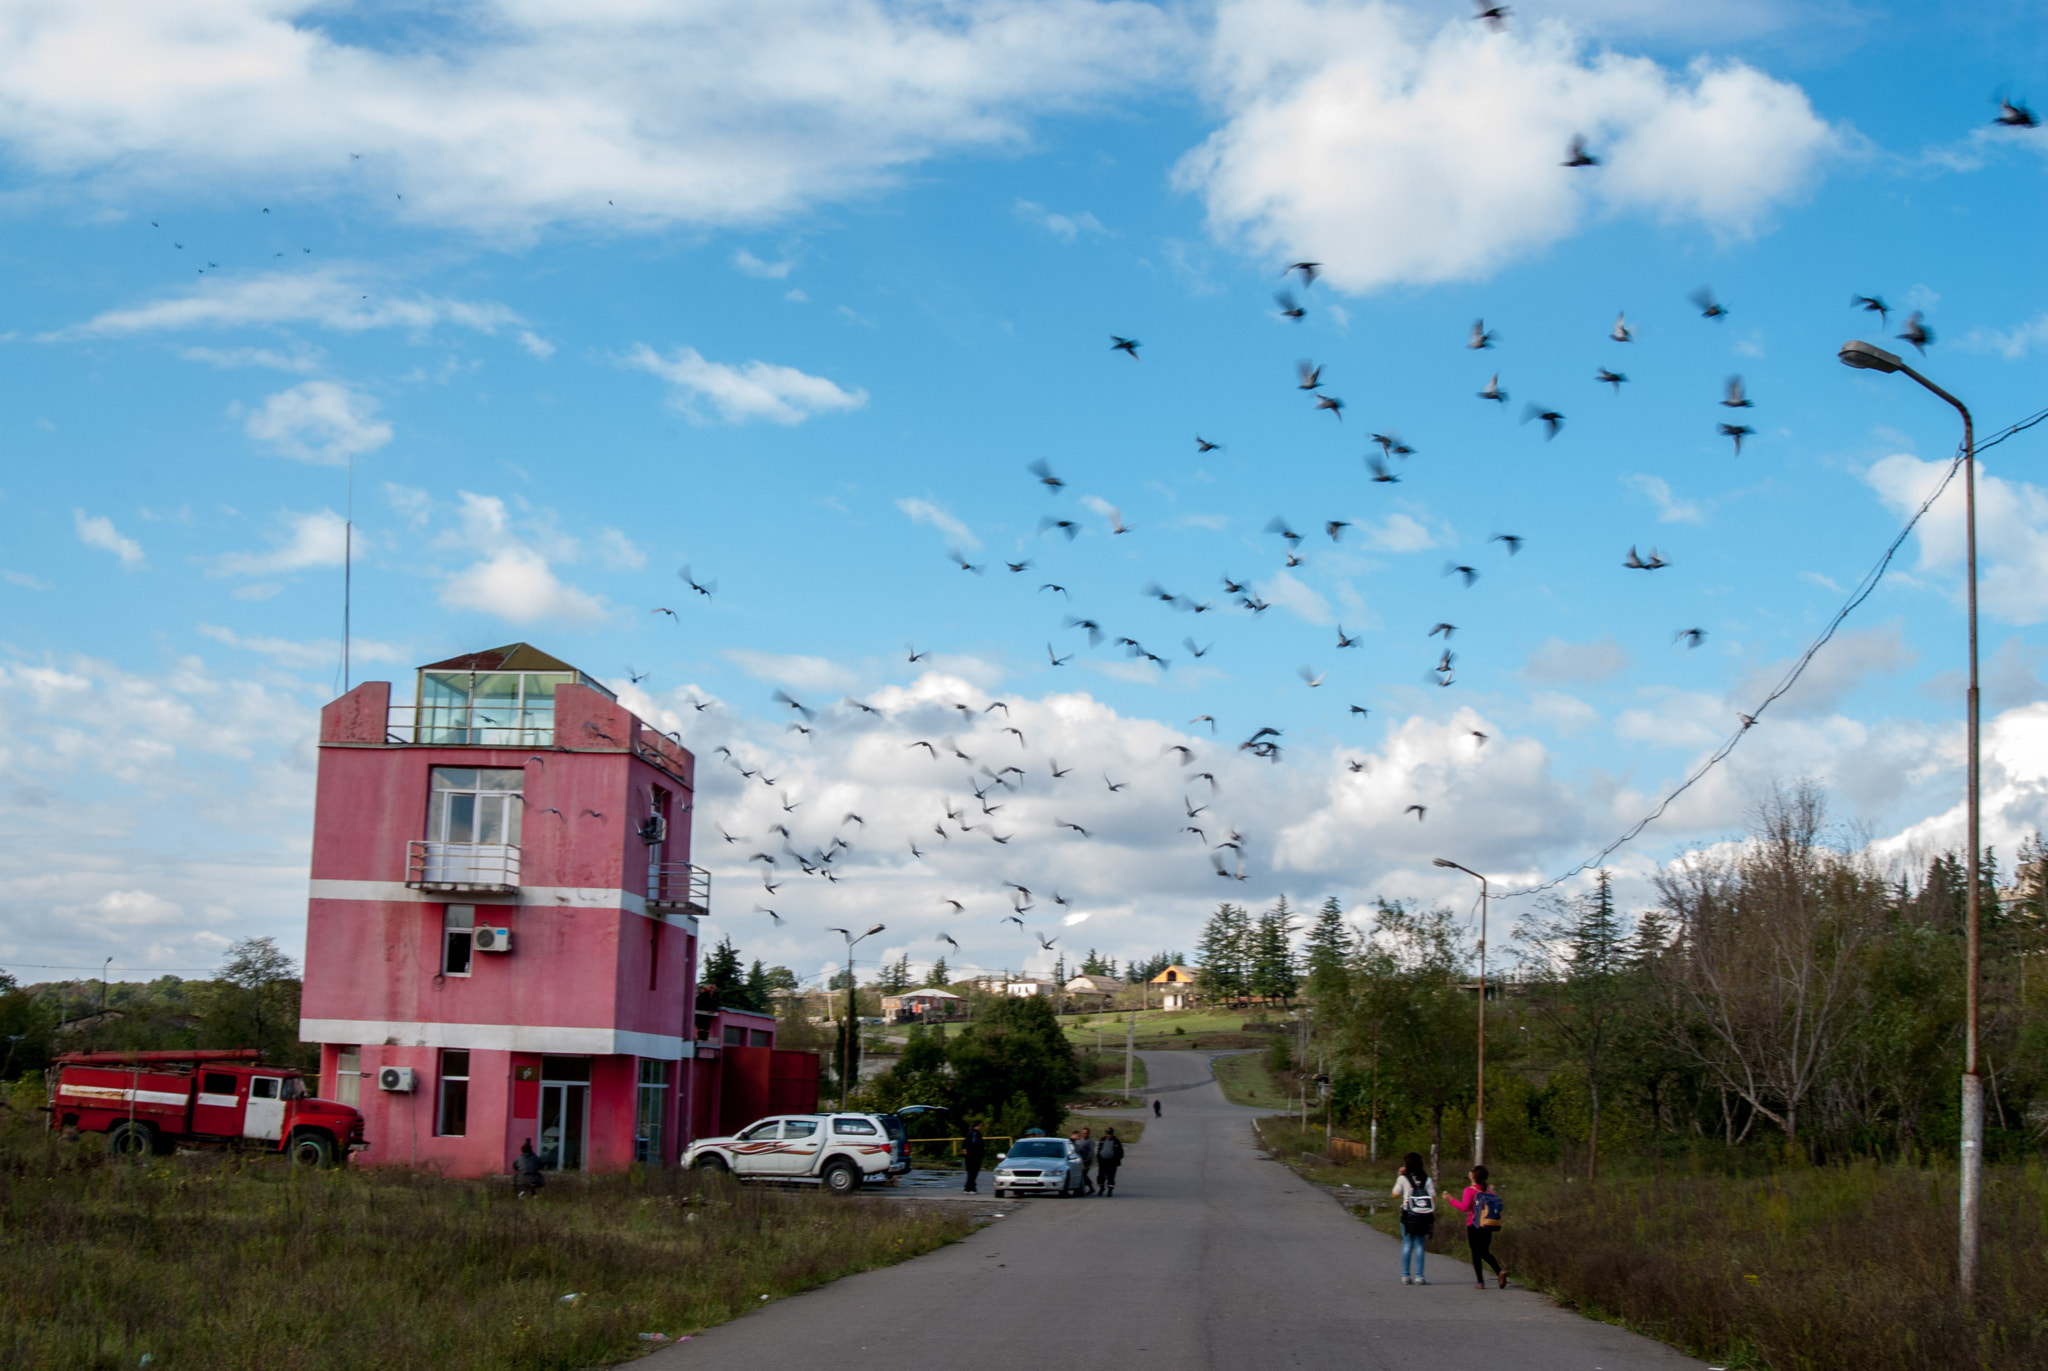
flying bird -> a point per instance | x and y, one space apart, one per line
1094 629
1470 574
1332 404
1480 736
1495 17
1066 526
959 559
704 588
1622 333
1737 397
1513 540
1578 156
1204 445
1493 390
671 613
1873 304
1290 308
1308 270
1062 823
1480 337
915 655
784 697
1195 651
948 939
1114 786
1343 640
1612 378
1061 589
1129 345
2015 114
1552 420
764 909
1709 307
1917 333
1380 472
1057 660
1691 637
1738 432
1636 563
1309 675
1045 477
1335 528
1446 629
1420 812
1311 375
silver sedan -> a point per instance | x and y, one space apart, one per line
1039 1166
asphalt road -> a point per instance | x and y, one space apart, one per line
1208 1255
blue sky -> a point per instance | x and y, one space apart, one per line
587 297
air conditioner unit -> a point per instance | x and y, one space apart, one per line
395 1078
493 940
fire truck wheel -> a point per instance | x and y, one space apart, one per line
131 1139
312 1149
841 1177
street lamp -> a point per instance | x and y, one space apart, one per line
1865 357
1479 1113
850 1047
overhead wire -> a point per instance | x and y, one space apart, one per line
1862 592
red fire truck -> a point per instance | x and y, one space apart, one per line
160 1101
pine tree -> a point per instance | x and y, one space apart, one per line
1271 971
724 978
939 977
1098 965
1328 953
757 987
1224 953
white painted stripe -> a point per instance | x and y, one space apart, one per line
119 1095
486 1037
220 1101
532 896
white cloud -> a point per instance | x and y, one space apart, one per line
1670 509
303 541
535 344
1394 154
345 299
25 581
1284 590
300 359
414 506
925 512
1397 533
795 671
2012 532
1836 672
753 390
318 655
99 531
1557 662
2010 343
512 580
1066 227
319 421
619 552
767 271
512 115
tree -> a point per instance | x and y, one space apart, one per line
1143 971
895 977
939 976
1429 1027
253 1001
757 987
1224 953
1576 957
1270 973
1327 953
781 978
723 980
1098 965
1016 1049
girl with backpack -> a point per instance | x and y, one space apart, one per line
1483 1212
1417 1194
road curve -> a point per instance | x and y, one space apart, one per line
1208 1256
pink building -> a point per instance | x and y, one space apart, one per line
501 938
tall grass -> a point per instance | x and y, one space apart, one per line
227 1264
1835 1268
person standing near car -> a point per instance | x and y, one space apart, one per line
1084 1143
1109 1155
1417 1194
973 1149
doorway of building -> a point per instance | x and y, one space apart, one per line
564 1112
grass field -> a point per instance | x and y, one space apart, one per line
1245 1080
1163 1030
224 1264
1839 1268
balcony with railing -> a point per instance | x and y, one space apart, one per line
462 868
679 888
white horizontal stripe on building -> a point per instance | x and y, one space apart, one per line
534 896
499 1037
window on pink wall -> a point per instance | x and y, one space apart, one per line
452 1117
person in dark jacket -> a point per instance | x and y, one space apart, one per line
972 1150
527 1178
1155 1108
1084 1143
1109 1155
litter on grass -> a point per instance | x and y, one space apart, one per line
570 1299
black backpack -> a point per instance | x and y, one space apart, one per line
1418 1211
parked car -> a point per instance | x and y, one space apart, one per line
1039 1166
841 1152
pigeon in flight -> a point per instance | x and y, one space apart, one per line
1204 445
1578 156
1612 378
1311 376
1446 629
1130 345
1045 477
1290 308
1495 17
1493 390
1379 470
2015 114
1737 397
1552 420
1308 271
1636 563
1873 304
1513 540
1690 636
1917 333
1481 336
1332 404
1420 812
1470 574
1738 432
1622 333
1709 307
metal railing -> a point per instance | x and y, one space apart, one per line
679 886
470 726
478 867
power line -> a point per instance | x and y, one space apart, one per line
1862 592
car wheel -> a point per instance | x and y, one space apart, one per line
131 1139
841 1177
710 1161
312 1149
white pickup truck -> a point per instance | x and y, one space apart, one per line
838 1151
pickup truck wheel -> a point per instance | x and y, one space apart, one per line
841 1177
312 1148
710 1161
131 1139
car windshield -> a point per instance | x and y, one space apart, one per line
1039 1147
294 1088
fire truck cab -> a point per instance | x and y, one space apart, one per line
159 1101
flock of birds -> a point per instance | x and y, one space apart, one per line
994 777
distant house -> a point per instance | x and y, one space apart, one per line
1177 986
1025 989
920 1004
1094 989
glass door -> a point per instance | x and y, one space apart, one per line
564 1113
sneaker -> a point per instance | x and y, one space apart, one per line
1407 1280
1420 1281
1503 1280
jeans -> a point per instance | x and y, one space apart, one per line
1412 1243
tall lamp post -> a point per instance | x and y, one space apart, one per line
1479 1119
1865 357
850 1043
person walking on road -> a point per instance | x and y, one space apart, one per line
973 1148
1085 1145
526 1173
1109 1155
1155 1106
1417 1194
1483 1212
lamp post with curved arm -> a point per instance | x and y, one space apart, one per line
1479 1110
1867 357
850 1047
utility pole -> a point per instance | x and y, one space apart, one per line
1479 1113
849 1061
